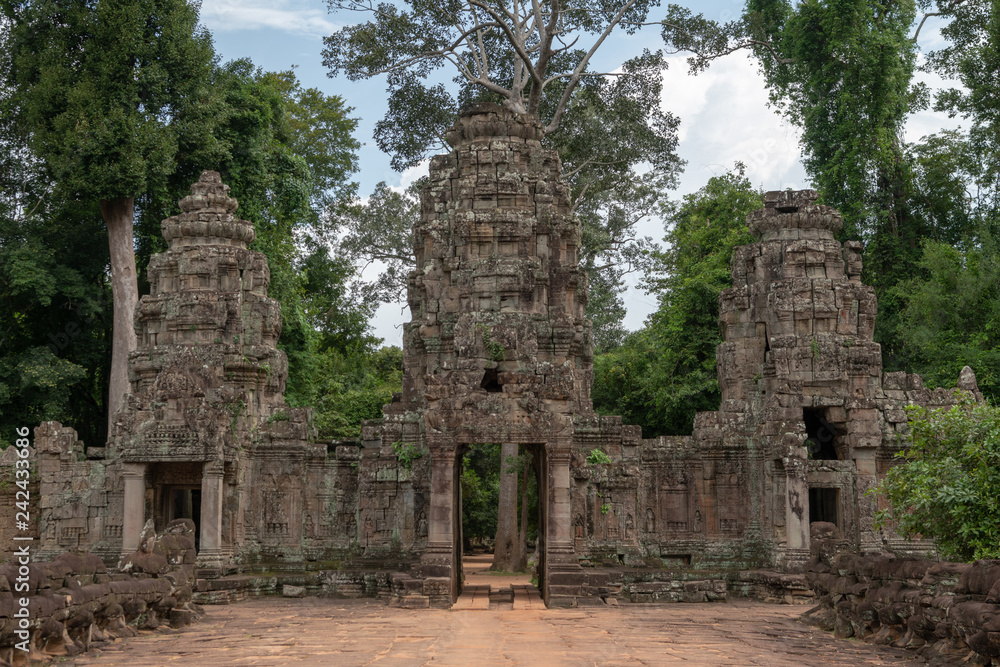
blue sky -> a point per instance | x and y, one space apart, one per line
724 113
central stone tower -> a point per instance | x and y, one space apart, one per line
498 349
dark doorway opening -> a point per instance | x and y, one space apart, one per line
177 494
821 436
185 503
823 505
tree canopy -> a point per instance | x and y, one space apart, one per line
286 151
101 91
518 53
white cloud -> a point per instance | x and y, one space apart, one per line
291 16
930 36
388 322
414 173
725 119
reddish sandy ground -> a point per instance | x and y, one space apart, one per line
319 631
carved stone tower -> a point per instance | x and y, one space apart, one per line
498 349
798 327
205 377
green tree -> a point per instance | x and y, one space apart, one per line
104 87
972 56
381 230
945 178
480 493
54 296
841 70
55 309
321 132
947 485
950 313
665 373
516 54
352 386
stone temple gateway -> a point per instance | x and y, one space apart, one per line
498 350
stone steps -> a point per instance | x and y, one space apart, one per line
484 597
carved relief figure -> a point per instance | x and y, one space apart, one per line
369 530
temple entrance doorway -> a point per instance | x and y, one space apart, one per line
185 503
177 495
478 501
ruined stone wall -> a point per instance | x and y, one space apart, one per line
669 502
80 496
336 502
498 350
306 503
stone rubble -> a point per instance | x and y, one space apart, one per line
949 613
76 603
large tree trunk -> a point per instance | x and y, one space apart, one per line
506 556
522 539
118 215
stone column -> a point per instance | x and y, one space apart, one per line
564 578
796 511
438 561
869 538
210 547
560 537
135 506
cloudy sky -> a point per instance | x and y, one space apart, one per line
724 113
